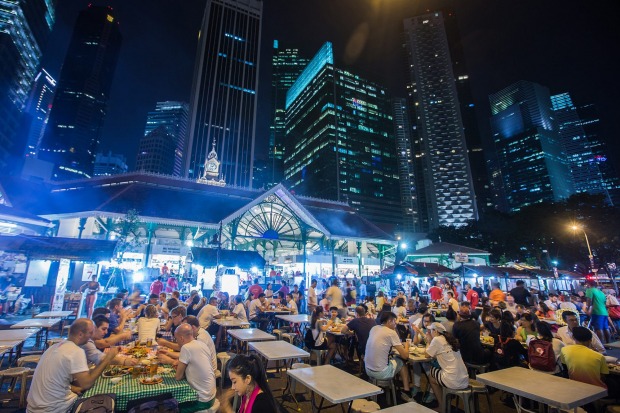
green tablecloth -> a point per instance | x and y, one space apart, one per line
131 389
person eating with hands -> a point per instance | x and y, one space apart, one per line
96 356
118 316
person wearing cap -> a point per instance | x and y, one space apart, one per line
452 373
598 311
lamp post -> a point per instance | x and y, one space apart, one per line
575 228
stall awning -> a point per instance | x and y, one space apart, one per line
430 268
208 257
55 248
487 271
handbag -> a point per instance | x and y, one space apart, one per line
614 312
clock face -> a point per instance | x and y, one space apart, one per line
211 167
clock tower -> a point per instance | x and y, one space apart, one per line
211 174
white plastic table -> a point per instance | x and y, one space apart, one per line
541 387
333 385
44 323
54 314
245 335
613 344
407 408
298 318
14 339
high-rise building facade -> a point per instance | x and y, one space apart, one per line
406 176
584 169
286 66
74 129
37 111
110 164
224 94
156 152
340 140
24 29
173 116
441 163
530 156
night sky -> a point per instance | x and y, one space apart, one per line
568 46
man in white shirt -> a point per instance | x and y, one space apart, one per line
552 302
63 371
200 334
567 304
291 304
195 366
363 292
207 314
381 341
312 301
334 295
565 333
258 307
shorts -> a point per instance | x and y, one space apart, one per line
599 322
389 372
436 374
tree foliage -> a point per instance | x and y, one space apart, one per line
540 233
128 238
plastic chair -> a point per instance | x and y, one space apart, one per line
386 384
464 394
364 406
14 375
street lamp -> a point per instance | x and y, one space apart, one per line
576 228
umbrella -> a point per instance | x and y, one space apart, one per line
403 268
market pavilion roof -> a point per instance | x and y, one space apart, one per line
176 201
445 248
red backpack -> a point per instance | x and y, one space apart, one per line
541 355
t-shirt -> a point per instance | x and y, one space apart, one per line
479 290
361 327
467 332
50 390
148 328
567 305
453 371
254 308
598 301
205 316
454 304
239 311
292 306
199 373
206 338
93 354
436 293
520 295
381 339
312 296
473 297
335 296
566 336
584 364
157 287
114 321
255 290
400 311
497 295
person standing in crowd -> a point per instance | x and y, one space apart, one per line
91 289
521 294
157 286
164 269
249 381
63 373
479 290
435 292
598 311
334 295
255 289
312 300
171 284
471 295
363 291
496 295
283 288
415 291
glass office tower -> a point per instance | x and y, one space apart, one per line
340 140
441 162
532 163
76 120
37 111
224 93
173 117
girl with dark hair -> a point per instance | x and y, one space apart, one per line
527 328
249 381
452 372
493 322
544 333
508 352
544 311
322 340
450 319
420 333
399 309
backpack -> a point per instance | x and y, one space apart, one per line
309 339
170 405
541 355
99 403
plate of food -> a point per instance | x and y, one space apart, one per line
156 379
487 340
116 371
138 352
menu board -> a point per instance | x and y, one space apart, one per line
38 270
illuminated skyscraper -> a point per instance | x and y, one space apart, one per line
37 110
340 140
286 66
408 195
74 129
224 101
110 164
441 162
156 152
173 116
24 29
530 156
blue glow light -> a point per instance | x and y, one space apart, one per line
323 57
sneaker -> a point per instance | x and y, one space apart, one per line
405 397
429 398
414 391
